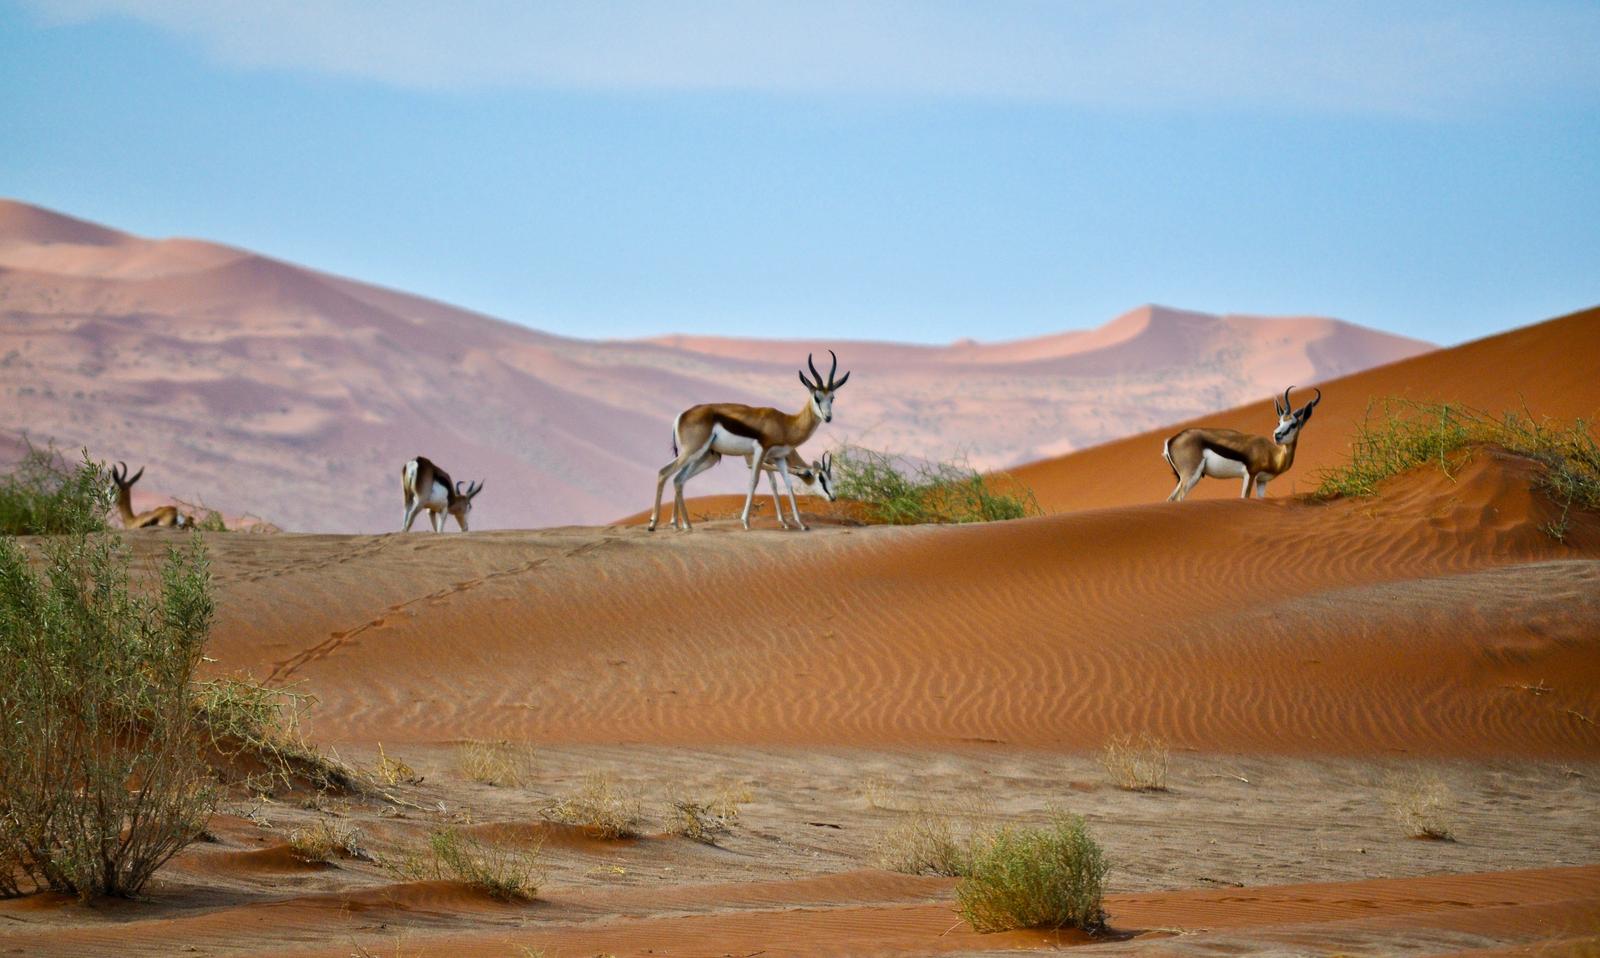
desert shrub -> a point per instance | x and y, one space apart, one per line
1423 803
392 771
899 493
245 720
706 820
1398 435
212 521
1049 877
101 776
495 763
43 495
1136 763
501 871
924 842
325 839
600 806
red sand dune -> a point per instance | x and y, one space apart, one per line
256 386
1548 369
1401 624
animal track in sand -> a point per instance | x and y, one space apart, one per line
283 670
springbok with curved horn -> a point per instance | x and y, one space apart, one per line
159 516
815 479
426 486
1228 454
765 435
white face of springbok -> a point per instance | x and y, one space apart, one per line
818 480
1290 420
462 507
822 393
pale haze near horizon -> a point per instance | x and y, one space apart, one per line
902 171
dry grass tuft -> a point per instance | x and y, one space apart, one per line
392 771
925 842
503 872
495 763
255 722
326 840
1423 803
706 821
600 806
1137 763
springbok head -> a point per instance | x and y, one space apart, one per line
462 505
820 477
822 393
1290 419
119 475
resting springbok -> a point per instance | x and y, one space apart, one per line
816 478
1227 454
765 435
159 516
426 486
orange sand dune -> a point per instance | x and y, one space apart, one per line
1408 623
1549 368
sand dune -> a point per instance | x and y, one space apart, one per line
1402 624
1541 368
258 386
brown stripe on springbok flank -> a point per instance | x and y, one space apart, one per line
735 426
1225 452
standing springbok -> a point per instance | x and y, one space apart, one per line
1227 454
816 478
159 516
766 435
426 486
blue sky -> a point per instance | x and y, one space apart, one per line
904 169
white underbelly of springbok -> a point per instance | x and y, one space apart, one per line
1221 467
728 444
438 498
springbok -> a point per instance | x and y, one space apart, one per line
816 478
1227 454
765 435
426 486
159 516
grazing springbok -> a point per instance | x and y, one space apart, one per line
426 486
816 478
1227 454
159 516
765 435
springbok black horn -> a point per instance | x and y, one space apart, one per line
117 476
1286 406
1312 404
834 368
458 488
814 374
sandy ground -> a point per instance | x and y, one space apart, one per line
1303 660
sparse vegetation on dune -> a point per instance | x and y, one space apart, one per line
1399 434
1137 763
1049 877
1423 803
495 763
257 724
501 871
101 774
325 840
44 495
600 806
925 842
896 492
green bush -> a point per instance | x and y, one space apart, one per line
45 496
500 871
101 777
898 494
1050 877
1398 435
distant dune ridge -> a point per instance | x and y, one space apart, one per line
254 385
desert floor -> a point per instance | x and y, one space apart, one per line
1304 660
